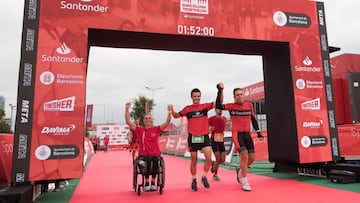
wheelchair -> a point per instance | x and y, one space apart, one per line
139 172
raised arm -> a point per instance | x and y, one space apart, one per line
168 118
173 113
220 96
131 124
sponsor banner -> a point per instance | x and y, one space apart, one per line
55 50
57 148
26 91
89 115
173 144
312 118
117 134
176 144
57 143
313 95
6 153
263 19
254 91
349 138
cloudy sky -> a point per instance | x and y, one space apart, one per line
116 76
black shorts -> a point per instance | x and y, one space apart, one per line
217 146
246 142
193 147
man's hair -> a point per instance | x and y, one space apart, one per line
236 89
195 90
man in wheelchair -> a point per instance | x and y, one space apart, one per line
149 150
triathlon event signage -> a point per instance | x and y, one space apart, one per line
50 122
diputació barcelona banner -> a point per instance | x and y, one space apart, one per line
52 80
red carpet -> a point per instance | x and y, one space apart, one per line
108 178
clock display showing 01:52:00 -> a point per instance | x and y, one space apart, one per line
195 30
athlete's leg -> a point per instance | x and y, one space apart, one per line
207 153
222 157
244 162
217 162
251 158
251 150
222 153
193 163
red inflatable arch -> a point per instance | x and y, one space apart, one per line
289 35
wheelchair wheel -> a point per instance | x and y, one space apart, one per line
163 172
135 174
138 190
161 175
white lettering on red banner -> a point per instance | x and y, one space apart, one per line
311 105
66 104
58 130
194 6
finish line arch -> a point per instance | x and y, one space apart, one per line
57 35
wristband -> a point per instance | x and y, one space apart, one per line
258 131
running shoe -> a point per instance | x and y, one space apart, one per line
153 187
205 182
238 174
216 178
147 188
246 187
194 185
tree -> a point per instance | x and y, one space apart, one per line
139 108
4 126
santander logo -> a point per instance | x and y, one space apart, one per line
307 61
84 6
307 66
63 49
253 90
64 56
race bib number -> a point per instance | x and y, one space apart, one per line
219 137
197 139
